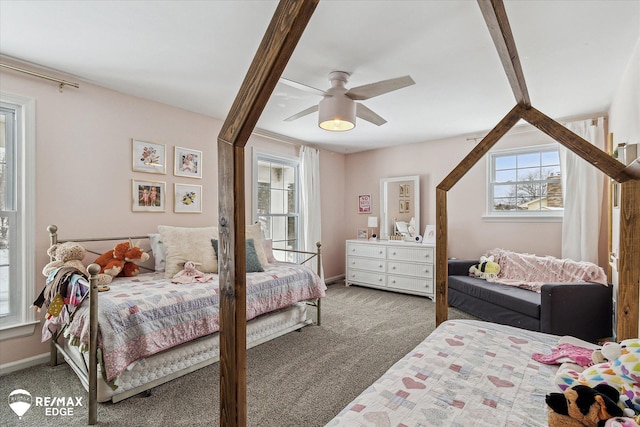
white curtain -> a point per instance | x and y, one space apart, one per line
582 185
310 218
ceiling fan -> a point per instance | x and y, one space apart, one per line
338 109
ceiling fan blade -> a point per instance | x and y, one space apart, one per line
302 113
302 87
374 89
365 113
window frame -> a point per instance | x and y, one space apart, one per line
517 216
24 321
294 162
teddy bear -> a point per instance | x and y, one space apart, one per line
122 259
620 370
487 269
70 254
583 406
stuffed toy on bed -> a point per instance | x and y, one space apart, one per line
70 254
583 406
121 261
487 269
621 370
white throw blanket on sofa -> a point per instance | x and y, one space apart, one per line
531 272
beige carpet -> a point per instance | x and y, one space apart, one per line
302 379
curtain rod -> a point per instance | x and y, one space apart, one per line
63 83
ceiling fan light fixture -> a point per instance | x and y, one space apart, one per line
337 113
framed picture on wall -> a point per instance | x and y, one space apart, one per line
187 198
187 163
364 203
148 157
147 196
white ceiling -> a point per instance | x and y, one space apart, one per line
194 55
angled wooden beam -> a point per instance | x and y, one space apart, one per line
482 148
496 18
442 270
281 37
578 145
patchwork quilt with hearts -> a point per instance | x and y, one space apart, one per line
465 373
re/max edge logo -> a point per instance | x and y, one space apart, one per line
20 401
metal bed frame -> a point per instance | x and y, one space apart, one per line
93 270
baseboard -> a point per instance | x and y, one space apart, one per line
19 365
334 279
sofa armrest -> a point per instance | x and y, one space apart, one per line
460 267
582 310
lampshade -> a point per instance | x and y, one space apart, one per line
337 113
372 222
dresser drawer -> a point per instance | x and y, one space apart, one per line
404 253
371 251
410 284
419 270
367 277
366 264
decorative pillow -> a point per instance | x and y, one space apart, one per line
253 263
157 248
268 250
254 231
184 244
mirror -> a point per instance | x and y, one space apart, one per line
399 203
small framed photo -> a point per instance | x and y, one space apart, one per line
148 157
401 190
406 191
187 198
403 206
429 234
187 163
363 234
364 203
147 196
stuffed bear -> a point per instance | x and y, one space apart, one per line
120 261
581 406
487 269
70 254
621 370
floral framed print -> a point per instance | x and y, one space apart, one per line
187 198
148 157
187 163
148 196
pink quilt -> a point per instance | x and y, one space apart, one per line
531 272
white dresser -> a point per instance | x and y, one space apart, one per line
395 266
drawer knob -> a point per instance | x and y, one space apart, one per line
394 267
380 266
393 281
394 253
380 252
380 279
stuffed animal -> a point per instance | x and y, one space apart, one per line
621 370
621 422
487 269
581 406
121 261
70 254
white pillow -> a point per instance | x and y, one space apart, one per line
157 248
254 231
268 250
184 244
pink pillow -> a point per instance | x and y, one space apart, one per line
268 250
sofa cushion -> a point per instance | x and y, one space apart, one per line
516 299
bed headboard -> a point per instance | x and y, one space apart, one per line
96 246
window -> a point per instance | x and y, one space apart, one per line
17 215
525 182
275 200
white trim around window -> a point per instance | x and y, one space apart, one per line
24 322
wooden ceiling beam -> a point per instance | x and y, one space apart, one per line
281 37
583 148
495 16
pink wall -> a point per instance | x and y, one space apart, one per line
83 185
469 234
